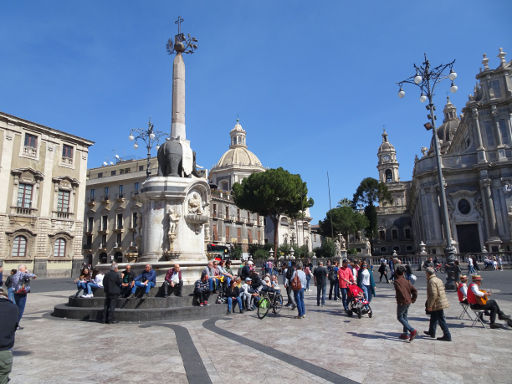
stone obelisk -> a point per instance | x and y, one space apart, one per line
176 203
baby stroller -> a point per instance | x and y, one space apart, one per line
221 298
357 303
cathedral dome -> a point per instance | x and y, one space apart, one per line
450 123
238 155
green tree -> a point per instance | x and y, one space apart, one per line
328 249
273 193
344 220
369 194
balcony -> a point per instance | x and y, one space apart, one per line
30 151
21 211
119 229
61 215
121 198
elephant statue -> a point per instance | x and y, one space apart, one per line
169 157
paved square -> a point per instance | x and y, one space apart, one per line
326 346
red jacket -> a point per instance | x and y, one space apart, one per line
345 273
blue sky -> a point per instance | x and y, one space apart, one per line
313 83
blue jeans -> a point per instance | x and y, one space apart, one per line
367 290
10 294
82 285
471 270
320 293
90 286
401 315
344 299
21 300
237 300
438 317
139 284
213 283
308 279
299 299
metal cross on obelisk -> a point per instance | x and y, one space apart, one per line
178 21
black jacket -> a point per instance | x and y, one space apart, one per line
112 283
9 322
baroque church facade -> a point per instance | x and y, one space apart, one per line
476 149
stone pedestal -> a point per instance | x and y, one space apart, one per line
175 210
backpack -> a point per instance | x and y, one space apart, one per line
289 273
296 285
331 275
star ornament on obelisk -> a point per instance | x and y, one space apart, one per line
182 44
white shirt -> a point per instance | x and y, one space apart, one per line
470 261
476 291
365 276
99 279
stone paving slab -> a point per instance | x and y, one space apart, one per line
51 350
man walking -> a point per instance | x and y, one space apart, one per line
21 284
406 294
320 275
9 323
112 288
436 304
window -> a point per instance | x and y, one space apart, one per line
119 221
407 233
67 153
227 235
105 193
112 173
239 234
227 213
134 220
88 244
249 236
495 85
30 147
90 224
121 171
100 175
25 195
104 221
215 233
489 134
91 194
120 191
383 249
505 137
103 241
136 187
63 201
394 234
214 210
141 168
60 248
127 170
238 214
382 234
19 246
118 240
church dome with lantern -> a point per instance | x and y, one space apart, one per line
236 163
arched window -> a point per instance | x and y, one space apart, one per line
60 248
389 175
19 246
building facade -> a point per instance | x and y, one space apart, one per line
43 173
476 150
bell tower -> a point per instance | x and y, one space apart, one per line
387 164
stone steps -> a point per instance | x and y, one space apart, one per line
138 309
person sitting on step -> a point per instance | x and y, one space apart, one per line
477 297
233 295
173 281
82 281
146 280
96 282
202 289
127 281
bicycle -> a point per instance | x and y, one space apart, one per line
269 300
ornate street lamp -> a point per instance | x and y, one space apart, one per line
427 78
150 137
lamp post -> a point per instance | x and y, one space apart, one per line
426 78
150 137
